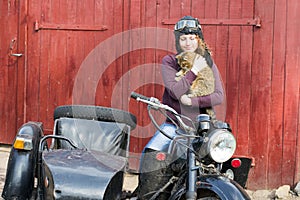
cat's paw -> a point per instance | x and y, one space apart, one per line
177 78
178 74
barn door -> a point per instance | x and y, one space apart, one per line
11 68
63 33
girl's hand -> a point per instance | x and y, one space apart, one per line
199 64
185 100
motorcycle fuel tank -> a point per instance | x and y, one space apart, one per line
81 174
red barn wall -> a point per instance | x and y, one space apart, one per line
97 52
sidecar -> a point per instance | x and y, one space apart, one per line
84 158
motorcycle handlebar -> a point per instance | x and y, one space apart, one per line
156 105
137 95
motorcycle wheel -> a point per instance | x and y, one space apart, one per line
203 195
95 113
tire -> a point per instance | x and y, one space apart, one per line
95 113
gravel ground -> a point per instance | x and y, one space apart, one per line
270 195
4 153
131 182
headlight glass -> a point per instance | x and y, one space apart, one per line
220 145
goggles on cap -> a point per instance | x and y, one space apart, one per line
191 24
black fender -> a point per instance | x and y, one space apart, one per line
82 174
224 187
20 173
240 174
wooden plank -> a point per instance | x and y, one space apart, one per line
209 31
8 72
74 55
261 94
33 68
149 62
117 73
84 92
161 12
76 43
175 11
122 85
186 7
220 54
291 98
125 62
46 14
297 168
244 94
22 38
86 15
44 44
277 107
135 58
4 42
47 62
57 57
46 110
140 75
198 10
233 64
111 71
166 44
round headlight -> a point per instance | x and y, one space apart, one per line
220 145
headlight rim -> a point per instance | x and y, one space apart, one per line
208 146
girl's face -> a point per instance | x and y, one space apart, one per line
188 43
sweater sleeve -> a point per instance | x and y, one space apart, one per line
169 69
213 99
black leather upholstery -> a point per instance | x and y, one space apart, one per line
109 137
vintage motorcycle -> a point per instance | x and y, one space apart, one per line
208 144
86 157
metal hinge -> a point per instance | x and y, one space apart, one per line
222 22
72 27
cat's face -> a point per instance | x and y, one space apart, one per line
186 60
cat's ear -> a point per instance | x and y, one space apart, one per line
179 58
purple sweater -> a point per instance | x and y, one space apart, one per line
175 89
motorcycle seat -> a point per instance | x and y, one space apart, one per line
108 137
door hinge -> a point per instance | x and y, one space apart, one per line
72 27
256 22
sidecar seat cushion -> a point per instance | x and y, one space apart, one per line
108 137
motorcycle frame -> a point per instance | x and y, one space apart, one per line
192 175
192 169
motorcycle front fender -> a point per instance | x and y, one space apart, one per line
224 187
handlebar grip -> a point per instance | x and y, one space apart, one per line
137 95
